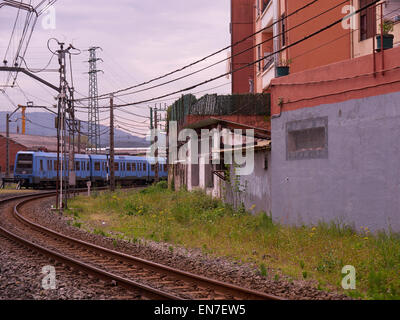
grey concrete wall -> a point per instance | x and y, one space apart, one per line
256 186
358 183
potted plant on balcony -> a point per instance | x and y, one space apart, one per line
283 68
387 27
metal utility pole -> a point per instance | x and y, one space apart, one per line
23 111
112 173
93 116
71 140
79 136
62 184
7 146
151 118
156 175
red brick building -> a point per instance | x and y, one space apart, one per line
14 148
19 142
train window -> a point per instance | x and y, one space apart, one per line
77 166
41 165
153 167
128 167
133 166
87 166
97 166
144 167
116 166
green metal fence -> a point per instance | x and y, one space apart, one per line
218 105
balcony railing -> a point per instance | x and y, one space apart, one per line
268 61
265 4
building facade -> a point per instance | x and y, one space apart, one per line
282 25
242 26
335 132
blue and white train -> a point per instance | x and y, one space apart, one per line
39 169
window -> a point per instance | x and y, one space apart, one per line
307 139
77 166
367 20
133 166
153 167
283 30
128 167
97 166
116 166
41 165
144 167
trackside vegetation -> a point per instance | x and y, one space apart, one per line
194 220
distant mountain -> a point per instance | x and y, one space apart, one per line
42 123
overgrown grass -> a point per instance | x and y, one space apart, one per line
195 220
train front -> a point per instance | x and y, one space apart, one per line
23 168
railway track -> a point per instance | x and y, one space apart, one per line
155 281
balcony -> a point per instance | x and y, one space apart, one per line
267 16
268 72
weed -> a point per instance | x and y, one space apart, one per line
77 224
196 220
263 270
99 232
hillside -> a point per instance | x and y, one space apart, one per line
42 123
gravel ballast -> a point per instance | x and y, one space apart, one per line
190 260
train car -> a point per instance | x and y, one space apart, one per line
162 169
99 169
39 169
131 170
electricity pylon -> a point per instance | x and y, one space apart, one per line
93 115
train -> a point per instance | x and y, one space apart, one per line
38 170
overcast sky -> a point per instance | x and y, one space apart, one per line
140 40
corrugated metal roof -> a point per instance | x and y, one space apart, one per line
32 142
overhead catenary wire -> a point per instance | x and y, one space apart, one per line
254 62
239 53
105 95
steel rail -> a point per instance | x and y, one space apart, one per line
221 287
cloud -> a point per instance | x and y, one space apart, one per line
140 39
